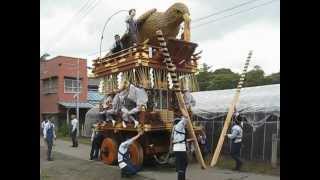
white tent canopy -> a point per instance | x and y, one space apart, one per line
253 99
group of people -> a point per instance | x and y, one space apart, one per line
124 162
180 143
132 32
49 135
179 139
119 103
127 168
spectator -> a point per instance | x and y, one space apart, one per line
48 135
74 130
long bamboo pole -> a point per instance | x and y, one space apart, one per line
230 113
176 86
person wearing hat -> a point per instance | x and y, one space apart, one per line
117 46
127 168
180 145
74 130
236 140
48 135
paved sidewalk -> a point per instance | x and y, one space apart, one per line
159 172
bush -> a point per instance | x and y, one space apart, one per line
63 130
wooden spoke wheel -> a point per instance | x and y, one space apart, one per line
109 151
136 154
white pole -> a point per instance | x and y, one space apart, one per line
68 116
78 94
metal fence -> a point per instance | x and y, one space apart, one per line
259 144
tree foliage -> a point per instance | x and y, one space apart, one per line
44 56
224 78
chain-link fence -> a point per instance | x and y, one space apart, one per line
260 142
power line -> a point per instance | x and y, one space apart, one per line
225 10
90 9
239 12
77 18
72 19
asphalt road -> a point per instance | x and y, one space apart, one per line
73 164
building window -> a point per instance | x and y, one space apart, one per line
93 88
70 85
50 85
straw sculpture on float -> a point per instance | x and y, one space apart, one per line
169 22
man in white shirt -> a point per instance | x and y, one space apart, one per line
74 130
127 169
179 146
42 125
48 135
236 140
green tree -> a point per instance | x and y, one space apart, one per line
274 78
44 56
204 77
254 77
223 78
224 81
223 71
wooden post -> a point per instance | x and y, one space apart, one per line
224 130
68 116
274 152
142 115
176 86
230 113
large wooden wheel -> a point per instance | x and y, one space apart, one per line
136 154
109 151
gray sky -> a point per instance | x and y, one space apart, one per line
225 43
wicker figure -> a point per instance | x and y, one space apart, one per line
151 21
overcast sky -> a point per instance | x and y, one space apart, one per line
64 30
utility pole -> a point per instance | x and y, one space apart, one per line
78 94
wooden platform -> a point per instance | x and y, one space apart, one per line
146 127
181 52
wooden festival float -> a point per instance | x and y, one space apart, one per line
145 64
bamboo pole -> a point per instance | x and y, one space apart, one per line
230 113
171 69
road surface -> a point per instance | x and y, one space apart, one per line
73 164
